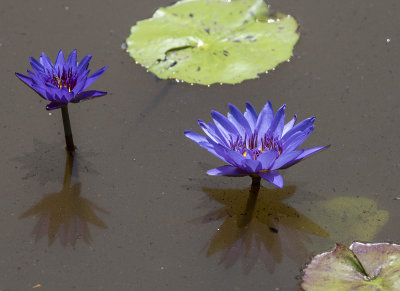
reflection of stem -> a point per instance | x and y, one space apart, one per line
251 202
68 169
67 129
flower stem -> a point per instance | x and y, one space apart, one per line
255 187
67 129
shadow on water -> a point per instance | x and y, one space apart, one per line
45 164
169 84
262 228
65 214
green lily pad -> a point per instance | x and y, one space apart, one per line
360 267
213 41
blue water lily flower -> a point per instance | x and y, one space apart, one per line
63 82
255 145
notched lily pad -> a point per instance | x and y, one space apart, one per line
213 41
363 266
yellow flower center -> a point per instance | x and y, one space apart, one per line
60 84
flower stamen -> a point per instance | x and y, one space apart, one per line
64 80
250 145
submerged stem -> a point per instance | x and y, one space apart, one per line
67 129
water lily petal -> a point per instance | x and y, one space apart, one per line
36 79
302 126
211 149
227 170
194 136
310 151
264 119
39 89
67 94
51 96
60 61
285 159
224 125
232 157
45 61
251 116
65 98
27 80
267 159
31 74
272 177
305 153
252 166
54 105
241 123
277 123
94 77
212 132
36 66
296 139
72 61
288 126
80 82
83 64
87 95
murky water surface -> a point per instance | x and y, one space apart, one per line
135 209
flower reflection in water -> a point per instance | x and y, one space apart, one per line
258 227
65 214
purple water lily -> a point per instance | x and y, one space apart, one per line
255 145
63 82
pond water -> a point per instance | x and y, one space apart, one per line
142 212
